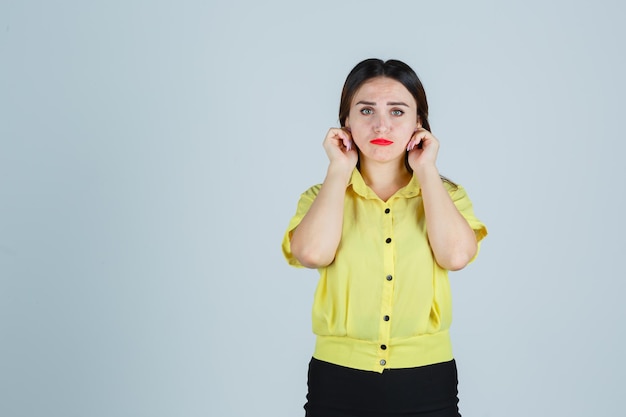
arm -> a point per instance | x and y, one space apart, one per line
314 242
452 240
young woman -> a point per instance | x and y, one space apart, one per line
383 230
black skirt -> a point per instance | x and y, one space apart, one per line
337 391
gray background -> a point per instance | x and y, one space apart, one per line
152 153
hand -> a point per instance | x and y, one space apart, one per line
426 154
340 148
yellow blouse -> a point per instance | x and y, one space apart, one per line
383 302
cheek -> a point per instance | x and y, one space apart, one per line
359 135
357 124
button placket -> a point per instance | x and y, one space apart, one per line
386 303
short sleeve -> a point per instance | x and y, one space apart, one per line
304 204
464 205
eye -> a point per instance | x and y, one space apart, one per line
367 111
397 112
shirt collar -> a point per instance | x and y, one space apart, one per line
412 189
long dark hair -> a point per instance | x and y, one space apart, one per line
396 70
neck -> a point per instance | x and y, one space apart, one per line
384 178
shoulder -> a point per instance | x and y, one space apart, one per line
312 191
451 186
457 193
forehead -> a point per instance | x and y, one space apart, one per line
381 90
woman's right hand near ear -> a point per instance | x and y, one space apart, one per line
340 148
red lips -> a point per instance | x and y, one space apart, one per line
381 142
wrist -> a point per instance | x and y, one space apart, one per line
426 171
339 172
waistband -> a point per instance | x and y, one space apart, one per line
367 355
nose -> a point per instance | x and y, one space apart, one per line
381 124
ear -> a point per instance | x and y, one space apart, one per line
419 123
347 123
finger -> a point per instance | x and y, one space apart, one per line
422 137
336 135
346 138
415 140
340 138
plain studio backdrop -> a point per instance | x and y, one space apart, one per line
152 153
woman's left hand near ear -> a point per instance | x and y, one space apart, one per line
426 155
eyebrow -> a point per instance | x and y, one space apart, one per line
390 103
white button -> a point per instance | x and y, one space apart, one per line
383 362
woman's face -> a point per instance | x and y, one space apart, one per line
382 119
